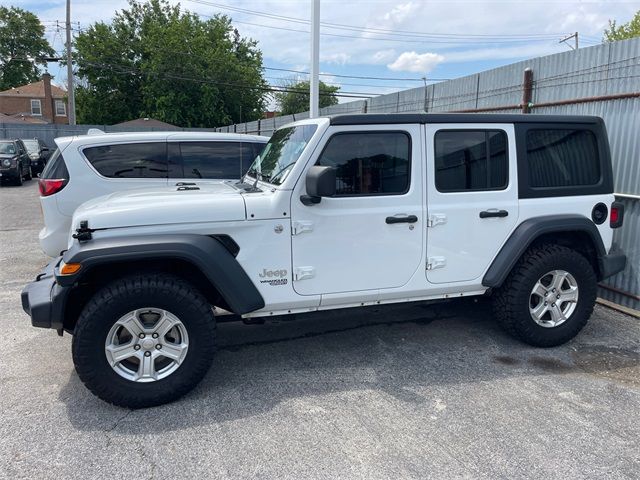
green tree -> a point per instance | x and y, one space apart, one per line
295 97
154 60
22 47
624 31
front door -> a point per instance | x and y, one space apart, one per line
370 234
472 198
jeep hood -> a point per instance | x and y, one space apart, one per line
212 202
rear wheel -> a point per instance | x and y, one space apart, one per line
29 174
144 340
548 296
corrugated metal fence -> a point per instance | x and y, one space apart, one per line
603 80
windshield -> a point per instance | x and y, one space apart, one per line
7 147
281 153
31 146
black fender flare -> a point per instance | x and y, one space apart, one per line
527 232
206 253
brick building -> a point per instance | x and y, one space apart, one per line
38 102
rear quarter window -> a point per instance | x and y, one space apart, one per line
129 160
562 158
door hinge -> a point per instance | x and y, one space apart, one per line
299 227
436 262
436 219
303 273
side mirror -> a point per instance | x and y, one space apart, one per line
320 182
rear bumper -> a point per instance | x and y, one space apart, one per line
44 300
612 263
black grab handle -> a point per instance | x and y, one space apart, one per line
407 219
495 213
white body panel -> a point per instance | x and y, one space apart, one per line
85 183
341 252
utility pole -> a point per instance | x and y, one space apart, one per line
569 37
70 90
314 83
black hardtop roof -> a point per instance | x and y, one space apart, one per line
397 118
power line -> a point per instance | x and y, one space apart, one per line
371 29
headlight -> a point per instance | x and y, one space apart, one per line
34 156
6 162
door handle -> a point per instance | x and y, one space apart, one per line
405 219
493 213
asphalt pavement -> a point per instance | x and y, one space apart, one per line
407 391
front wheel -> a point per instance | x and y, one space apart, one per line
548 297
144 340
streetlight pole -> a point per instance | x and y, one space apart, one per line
314 83
70 90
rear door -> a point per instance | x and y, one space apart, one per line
472 198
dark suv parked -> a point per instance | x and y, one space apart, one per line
38 152
15 163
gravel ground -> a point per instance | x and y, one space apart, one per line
409 391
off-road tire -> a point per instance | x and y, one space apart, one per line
162 291
511 301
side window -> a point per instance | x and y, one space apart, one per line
129 160
468 160
221 160
369 163
562 158
55 167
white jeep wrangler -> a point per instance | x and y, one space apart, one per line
338 212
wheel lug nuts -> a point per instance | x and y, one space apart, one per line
155 335
553 305
141 335
136 347
558 296
147 354
158 346
546 303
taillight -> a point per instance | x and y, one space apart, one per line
49 186
616 217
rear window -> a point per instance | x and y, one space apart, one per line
55 167
562 158
129 160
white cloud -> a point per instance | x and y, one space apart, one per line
399 13
339 58
416 62
384 56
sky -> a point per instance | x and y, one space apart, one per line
398 42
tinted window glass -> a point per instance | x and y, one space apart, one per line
249 152
211 159
561 158
129 160
369 163
55 167
471 160
31 146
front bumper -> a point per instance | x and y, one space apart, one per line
8 172
612 263
44 300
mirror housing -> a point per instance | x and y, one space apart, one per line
320 182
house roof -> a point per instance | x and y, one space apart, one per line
147 122
8 119
34 90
